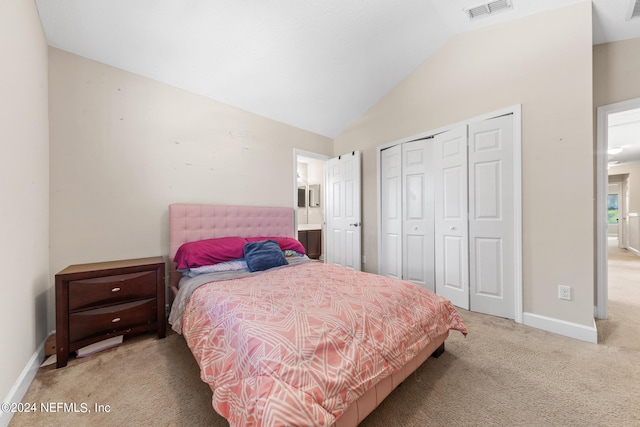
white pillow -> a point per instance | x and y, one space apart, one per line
236 264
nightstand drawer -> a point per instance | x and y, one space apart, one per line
111 289
84 324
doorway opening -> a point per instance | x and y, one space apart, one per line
613 216
308 200
617 163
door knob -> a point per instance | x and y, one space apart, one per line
357 224
453 228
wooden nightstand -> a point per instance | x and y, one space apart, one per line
107 299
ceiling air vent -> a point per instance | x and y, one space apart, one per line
634 9
489 8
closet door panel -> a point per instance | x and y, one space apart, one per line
487 278
414 257
391 212
417 207
451 228
491 217
454 271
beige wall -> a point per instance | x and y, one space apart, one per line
616 72
124 147
24 189
543 62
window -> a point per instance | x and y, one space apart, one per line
612 209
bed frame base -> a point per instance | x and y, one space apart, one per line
370 400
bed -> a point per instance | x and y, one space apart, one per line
303 342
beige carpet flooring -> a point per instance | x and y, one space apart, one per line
502 374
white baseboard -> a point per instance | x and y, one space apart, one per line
23 382
561 327
633 250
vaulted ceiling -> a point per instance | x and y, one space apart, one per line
314 65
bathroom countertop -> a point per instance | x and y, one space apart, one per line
306 227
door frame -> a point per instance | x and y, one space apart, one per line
602 182
303 153
516 110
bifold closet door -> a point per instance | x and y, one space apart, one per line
418 261
407 213
451 219
448 215
391 212
491 217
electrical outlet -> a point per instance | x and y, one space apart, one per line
564 292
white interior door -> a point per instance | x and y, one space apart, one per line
451 220
491 217
418 216
390 263
344 211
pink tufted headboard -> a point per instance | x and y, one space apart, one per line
188 223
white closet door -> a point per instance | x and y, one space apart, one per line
343 211
491 217
417 208
391 212
451 220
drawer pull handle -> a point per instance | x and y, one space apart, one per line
115 290
117 319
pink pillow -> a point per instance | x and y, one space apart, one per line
285 243
209 252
